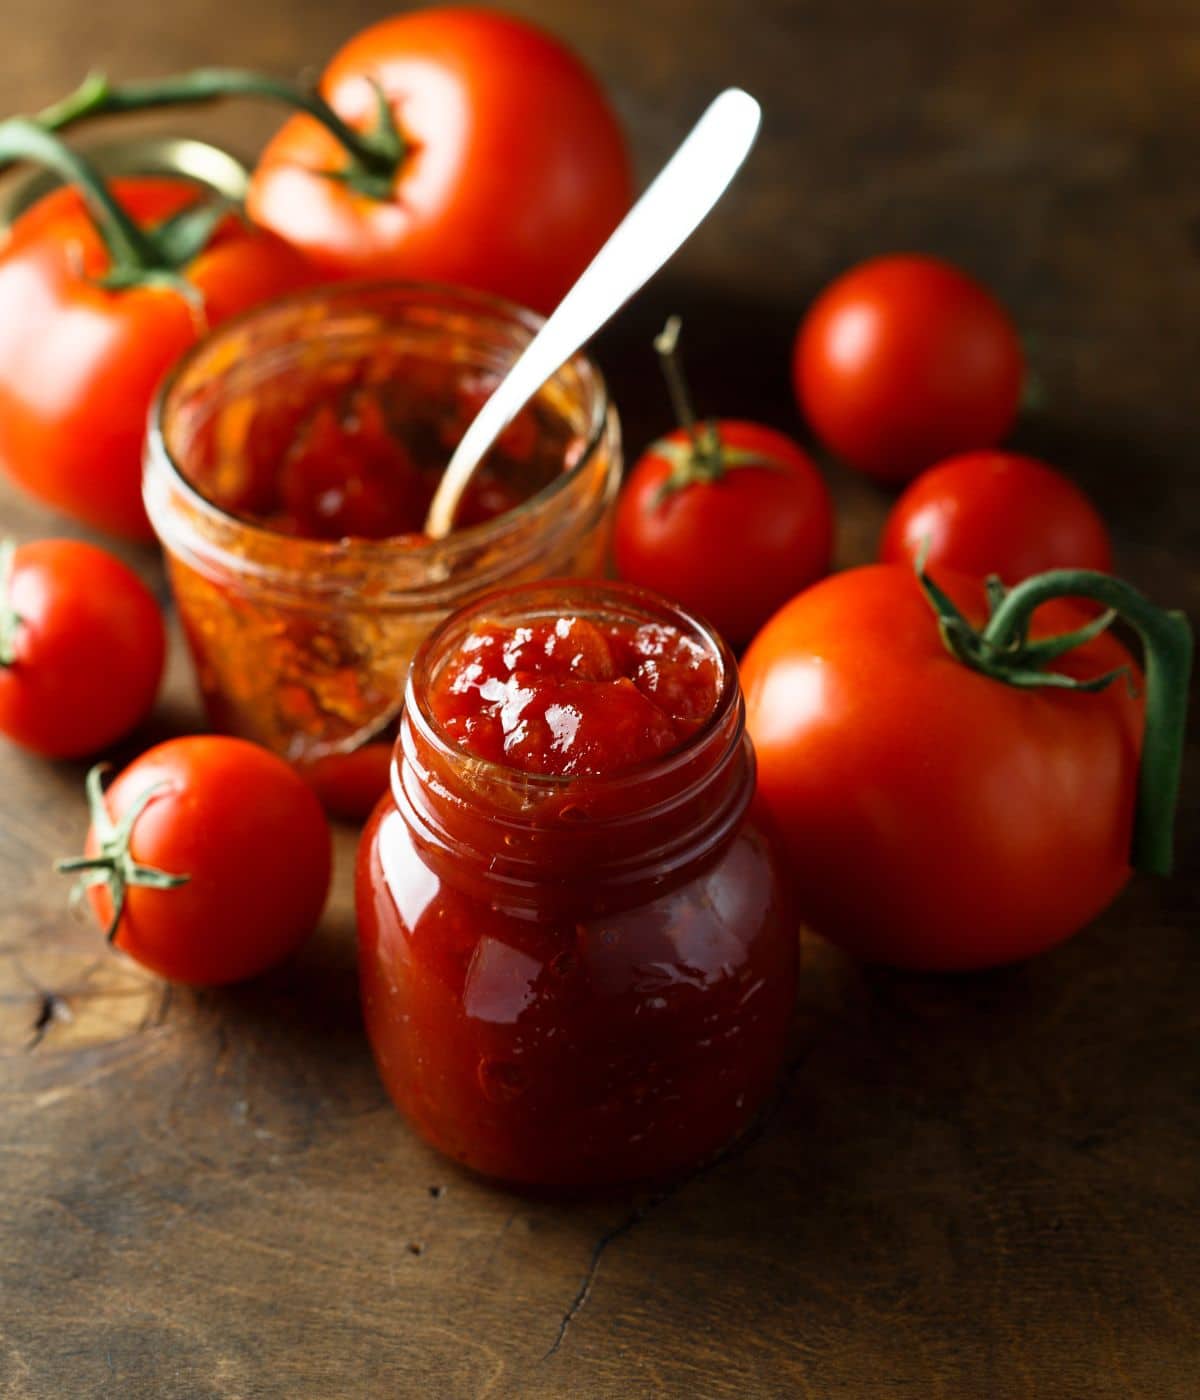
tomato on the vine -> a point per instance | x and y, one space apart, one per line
81 647
507 166
904 360
80 359
207 860
996 513
728 518
953 795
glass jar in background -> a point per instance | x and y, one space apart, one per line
303 644
574 981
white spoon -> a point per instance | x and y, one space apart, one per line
671 209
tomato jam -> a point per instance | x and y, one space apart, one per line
289 466
577 959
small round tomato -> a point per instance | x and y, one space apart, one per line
80 361
731 544
726 517
954 809
81 648
208 859
996 513
904 360
511 168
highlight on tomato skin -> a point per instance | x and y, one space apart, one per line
902 361
208 859
998 513
514 167
936 818
82 645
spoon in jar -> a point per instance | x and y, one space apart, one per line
667 214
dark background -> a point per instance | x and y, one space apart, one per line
982 1186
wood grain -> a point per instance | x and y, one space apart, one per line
972 1187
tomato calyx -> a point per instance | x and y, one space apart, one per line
10 619
374 156
138 257
1002 650
704 457
114 865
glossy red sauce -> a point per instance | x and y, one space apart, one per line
585 981
358 454
571 696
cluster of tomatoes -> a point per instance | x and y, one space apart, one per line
949 741
450 145
903 738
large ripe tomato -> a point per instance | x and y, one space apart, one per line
79 364
81 648
936 817
904 360
225 867
515 171
996 513
731 545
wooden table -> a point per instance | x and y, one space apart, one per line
987 1186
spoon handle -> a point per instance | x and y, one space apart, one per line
667 214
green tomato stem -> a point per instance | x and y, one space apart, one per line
129 247
1167 644
666 343
375 155
115 866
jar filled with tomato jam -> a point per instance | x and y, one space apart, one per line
577 958
290 461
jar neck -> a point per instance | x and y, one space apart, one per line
512 837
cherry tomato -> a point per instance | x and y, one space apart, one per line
996 513
225 867
903 361
936 817
79 364
81 648
350 784
515 171
734 547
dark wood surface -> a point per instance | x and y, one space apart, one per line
976 1187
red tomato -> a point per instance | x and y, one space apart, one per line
350 784
904 360
996 513
516 169
936 817
79 364
732 548
232 847
81 649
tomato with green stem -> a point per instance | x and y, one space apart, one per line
452 144
956 789
101 289
904 360
510 168
207 860
728 518
81 647
996 513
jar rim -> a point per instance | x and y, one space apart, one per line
606 597
366 292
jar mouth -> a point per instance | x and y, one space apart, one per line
597 600
370 297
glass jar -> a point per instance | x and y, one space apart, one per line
303 644
574 981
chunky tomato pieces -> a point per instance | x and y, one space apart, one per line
574 697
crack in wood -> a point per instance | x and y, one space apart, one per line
585 1288
753 1134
